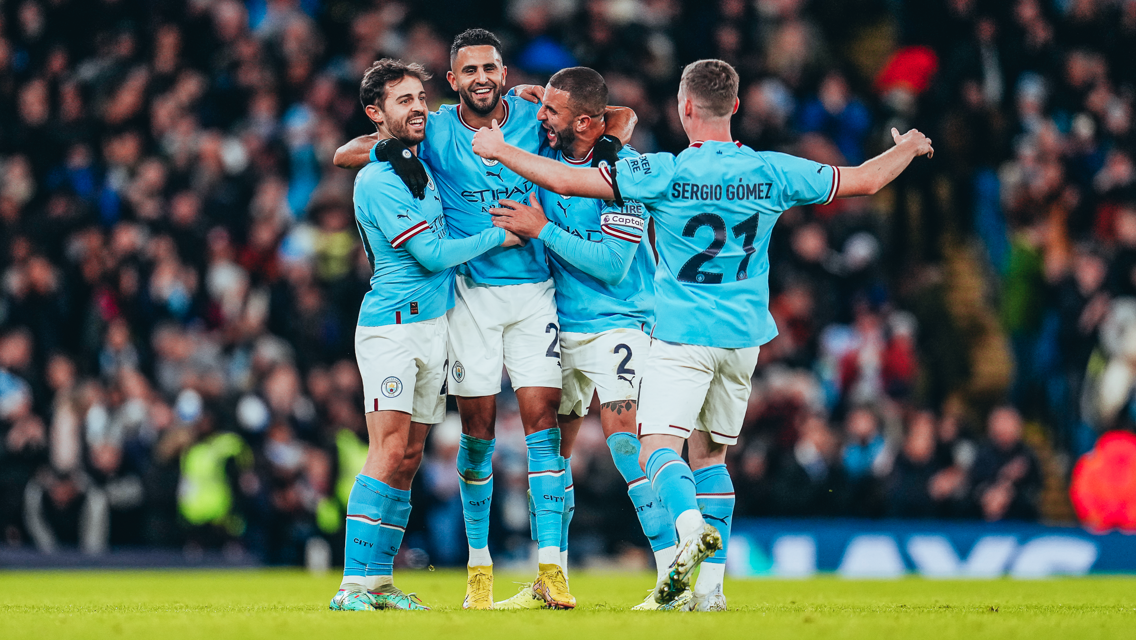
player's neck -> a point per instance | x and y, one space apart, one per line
476 120
582 146
706 131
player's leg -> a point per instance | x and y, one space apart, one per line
475 378
719 425
716 500
674 388
575 396
613 360
532 357
386 358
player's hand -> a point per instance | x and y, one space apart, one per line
489 142
524 220
512 240
606 150
530 92
406 165
919 144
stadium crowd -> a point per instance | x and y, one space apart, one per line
182 273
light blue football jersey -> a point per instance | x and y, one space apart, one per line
471 185
586 303
714 207
388 216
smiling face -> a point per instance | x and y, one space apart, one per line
403 112
558 118
478 76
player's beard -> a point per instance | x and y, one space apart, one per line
481 105
564 140
404 133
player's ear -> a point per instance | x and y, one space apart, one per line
737 103
374 113
452 79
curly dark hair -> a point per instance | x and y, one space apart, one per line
373 89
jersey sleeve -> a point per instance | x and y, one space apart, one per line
392 209
437 254
804 182
644 178
610 259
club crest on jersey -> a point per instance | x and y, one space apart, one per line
458 371
392 386
490 163
430 182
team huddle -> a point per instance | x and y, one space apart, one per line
509 231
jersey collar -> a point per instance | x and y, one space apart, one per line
585 160
697 144
499 124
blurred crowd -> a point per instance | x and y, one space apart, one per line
181 273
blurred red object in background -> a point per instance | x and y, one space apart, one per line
1103 490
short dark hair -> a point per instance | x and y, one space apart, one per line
712 85
373 89
586 89
473 38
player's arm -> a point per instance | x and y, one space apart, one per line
437 254
875 174
356 153
365 149
608 260
489 143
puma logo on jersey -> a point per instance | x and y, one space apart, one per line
496 175
628 379
402 215
562 207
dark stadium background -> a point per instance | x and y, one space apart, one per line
181 272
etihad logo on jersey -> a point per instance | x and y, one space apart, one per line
480 196
622 220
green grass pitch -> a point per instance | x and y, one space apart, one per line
286 605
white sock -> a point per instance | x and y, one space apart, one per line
688 522
663 559
353 582
480 557
548 555
564 562
710 577
374 582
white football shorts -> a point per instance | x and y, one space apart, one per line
404 368
606 363
514 326
690 387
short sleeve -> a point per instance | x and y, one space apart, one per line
804 182
644 178
627 223
392 209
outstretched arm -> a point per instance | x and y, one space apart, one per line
557 177
356 153
875 174
608 260
437 254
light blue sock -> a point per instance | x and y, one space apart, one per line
569 505
657 523
475 481
716 501
673 482
546 481
395 513
364 512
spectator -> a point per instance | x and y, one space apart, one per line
1006 478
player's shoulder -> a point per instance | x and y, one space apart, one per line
380 176
628 152
519 107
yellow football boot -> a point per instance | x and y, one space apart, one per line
479 588
525 599
552 587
